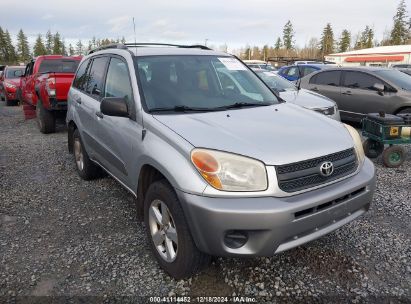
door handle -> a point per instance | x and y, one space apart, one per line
99 114
78 100
315 89
347 93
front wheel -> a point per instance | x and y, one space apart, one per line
393 156
45 119
168 233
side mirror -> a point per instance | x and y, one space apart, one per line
378 87
114 106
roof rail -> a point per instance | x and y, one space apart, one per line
126 45
109 46
194 46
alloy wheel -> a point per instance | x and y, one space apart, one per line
163 230
78 154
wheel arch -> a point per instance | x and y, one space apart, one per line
406 107
148 175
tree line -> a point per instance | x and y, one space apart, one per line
50 44
285 46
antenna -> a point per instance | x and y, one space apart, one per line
135 36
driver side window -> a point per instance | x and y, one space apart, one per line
118 81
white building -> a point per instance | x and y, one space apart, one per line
378 56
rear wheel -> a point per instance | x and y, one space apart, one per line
85 167
372 148
46 120
393 156
168 233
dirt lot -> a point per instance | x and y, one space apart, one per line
61 236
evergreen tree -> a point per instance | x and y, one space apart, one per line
278 44
401 30
123 40
288 36
10 55
2 46
365 39
79 48
57 44
63 47
345 41
39 47
49 42
327 40
70 50
23 50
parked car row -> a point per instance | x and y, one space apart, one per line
43 83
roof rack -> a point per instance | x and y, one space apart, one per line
144 44
194 46
109 46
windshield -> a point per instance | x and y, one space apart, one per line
276 82
14 72
396 77
200 82
58 66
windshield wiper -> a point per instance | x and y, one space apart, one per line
238 105
180 109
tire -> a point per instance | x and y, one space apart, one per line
187 260
393 156
46 120
84 166
372 148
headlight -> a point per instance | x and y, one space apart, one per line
230 172
10 85
357 143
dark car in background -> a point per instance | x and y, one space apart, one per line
295 72
361 90
10 81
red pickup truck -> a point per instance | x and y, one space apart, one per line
45 86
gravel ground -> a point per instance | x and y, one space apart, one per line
62 236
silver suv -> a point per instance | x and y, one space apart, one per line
214 171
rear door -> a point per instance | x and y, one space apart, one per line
327 83
358 97
119 137
87 100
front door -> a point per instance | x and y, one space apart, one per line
119 137
359 97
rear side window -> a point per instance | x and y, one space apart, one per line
58 66
358 80
331 78
292 72
118 82
308 70
96 77
80 80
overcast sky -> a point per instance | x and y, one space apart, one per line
235 22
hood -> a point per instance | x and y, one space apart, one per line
307 99
15 81
276 135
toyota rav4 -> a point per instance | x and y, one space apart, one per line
215 171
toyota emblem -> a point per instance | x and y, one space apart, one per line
326 168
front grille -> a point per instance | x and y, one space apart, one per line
306 174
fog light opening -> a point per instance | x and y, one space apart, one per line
235 238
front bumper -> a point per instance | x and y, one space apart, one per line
277 224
